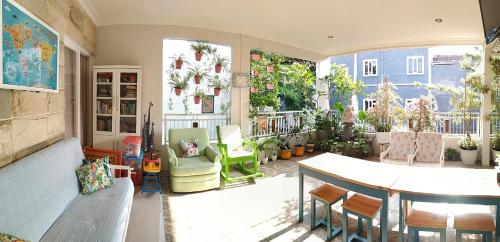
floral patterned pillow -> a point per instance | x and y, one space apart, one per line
94 176
10 238
189 148
105 163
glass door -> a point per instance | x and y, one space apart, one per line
104 102
127 103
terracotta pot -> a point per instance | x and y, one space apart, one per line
253 89
178 91
310 147
270 69
198 56
256 57
269 86
178 64
217 91
197 79
218 68
285 154
256 72
197 99
299 150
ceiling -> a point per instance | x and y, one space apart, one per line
354 24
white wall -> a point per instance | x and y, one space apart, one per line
142 45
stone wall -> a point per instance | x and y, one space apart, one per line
30 121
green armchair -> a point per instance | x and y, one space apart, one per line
236 150
195 173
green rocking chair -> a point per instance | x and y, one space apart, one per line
236 150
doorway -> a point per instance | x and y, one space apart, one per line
85 101
69 92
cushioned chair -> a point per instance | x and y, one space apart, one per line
401 146
236 150
430 148
196 173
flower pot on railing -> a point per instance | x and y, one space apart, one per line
198 56
178 64
299 150
469 157
217 91
197 79
178 91
197 99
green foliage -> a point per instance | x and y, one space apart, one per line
421 113
197 71
452 154
297 87
387 99
220 60
202 47
198 92
177 82
270 145
468 143
495 84
495 140
354 148
341 86
283 144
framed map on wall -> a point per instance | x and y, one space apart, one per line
30 51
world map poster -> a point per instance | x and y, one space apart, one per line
30 51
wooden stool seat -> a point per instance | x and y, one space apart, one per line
474 221
426 219
328 194
364 205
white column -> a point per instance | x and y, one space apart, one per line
486 110
322 70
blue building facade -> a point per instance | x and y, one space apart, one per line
403 67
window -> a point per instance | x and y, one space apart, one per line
415 65
370 67
408 101
368 103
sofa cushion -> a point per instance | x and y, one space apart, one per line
429 147
100 216
231 136
189 148
10 238
402 144
94 176
195 166
36 190
174 135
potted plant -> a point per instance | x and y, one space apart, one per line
200 48
198 95
381 116
299 147
256 56
310 142
421 114
197 73
269 86
452 154
336 147
285 149
468 150
179 60
217 85
270 68
177 83
219 62
270 148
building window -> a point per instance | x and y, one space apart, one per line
370 67
368 103
415 65
408 101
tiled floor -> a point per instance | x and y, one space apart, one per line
263 211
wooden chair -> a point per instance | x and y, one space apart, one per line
474 223
236 150
421 220
429 148
329 195
401 146
115 158
364 207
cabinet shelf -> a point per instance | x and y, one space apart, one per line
104 83
104 114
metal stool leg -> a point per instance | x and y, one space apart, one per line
458 237
442 235
369 236
360 225
411 235
417 236
345 225
313 214
488 236
329 223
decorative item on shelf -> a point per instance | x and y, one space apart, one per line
198 95
240 80
148 132
219 62
179 60
177 83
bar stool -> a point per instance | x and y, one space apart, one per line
363 207
328 195
474 223
421 220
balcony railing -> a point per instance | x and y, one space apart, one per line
208 121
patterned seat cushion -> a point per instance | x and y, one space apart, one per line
429 147
231 135
402 144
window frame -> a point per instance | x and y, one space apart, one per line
415 58
373 62
369 100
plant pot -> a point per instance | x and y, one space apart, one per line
256 57
217 91
469 157
310 147
383 137
265 160
299 150
197 79
198 56
178 64
270 69
197 99
269 86
255 72
285 154
253 89
178 91
274 157
218 68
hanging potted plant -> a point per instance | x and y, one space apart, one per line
179 60
177 83
197 73
219 62
269 86
200 48
198 95
217 85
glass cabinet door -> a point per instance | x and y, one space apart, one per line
104 102
128 102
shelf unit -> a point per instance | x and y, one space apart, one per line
116 105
